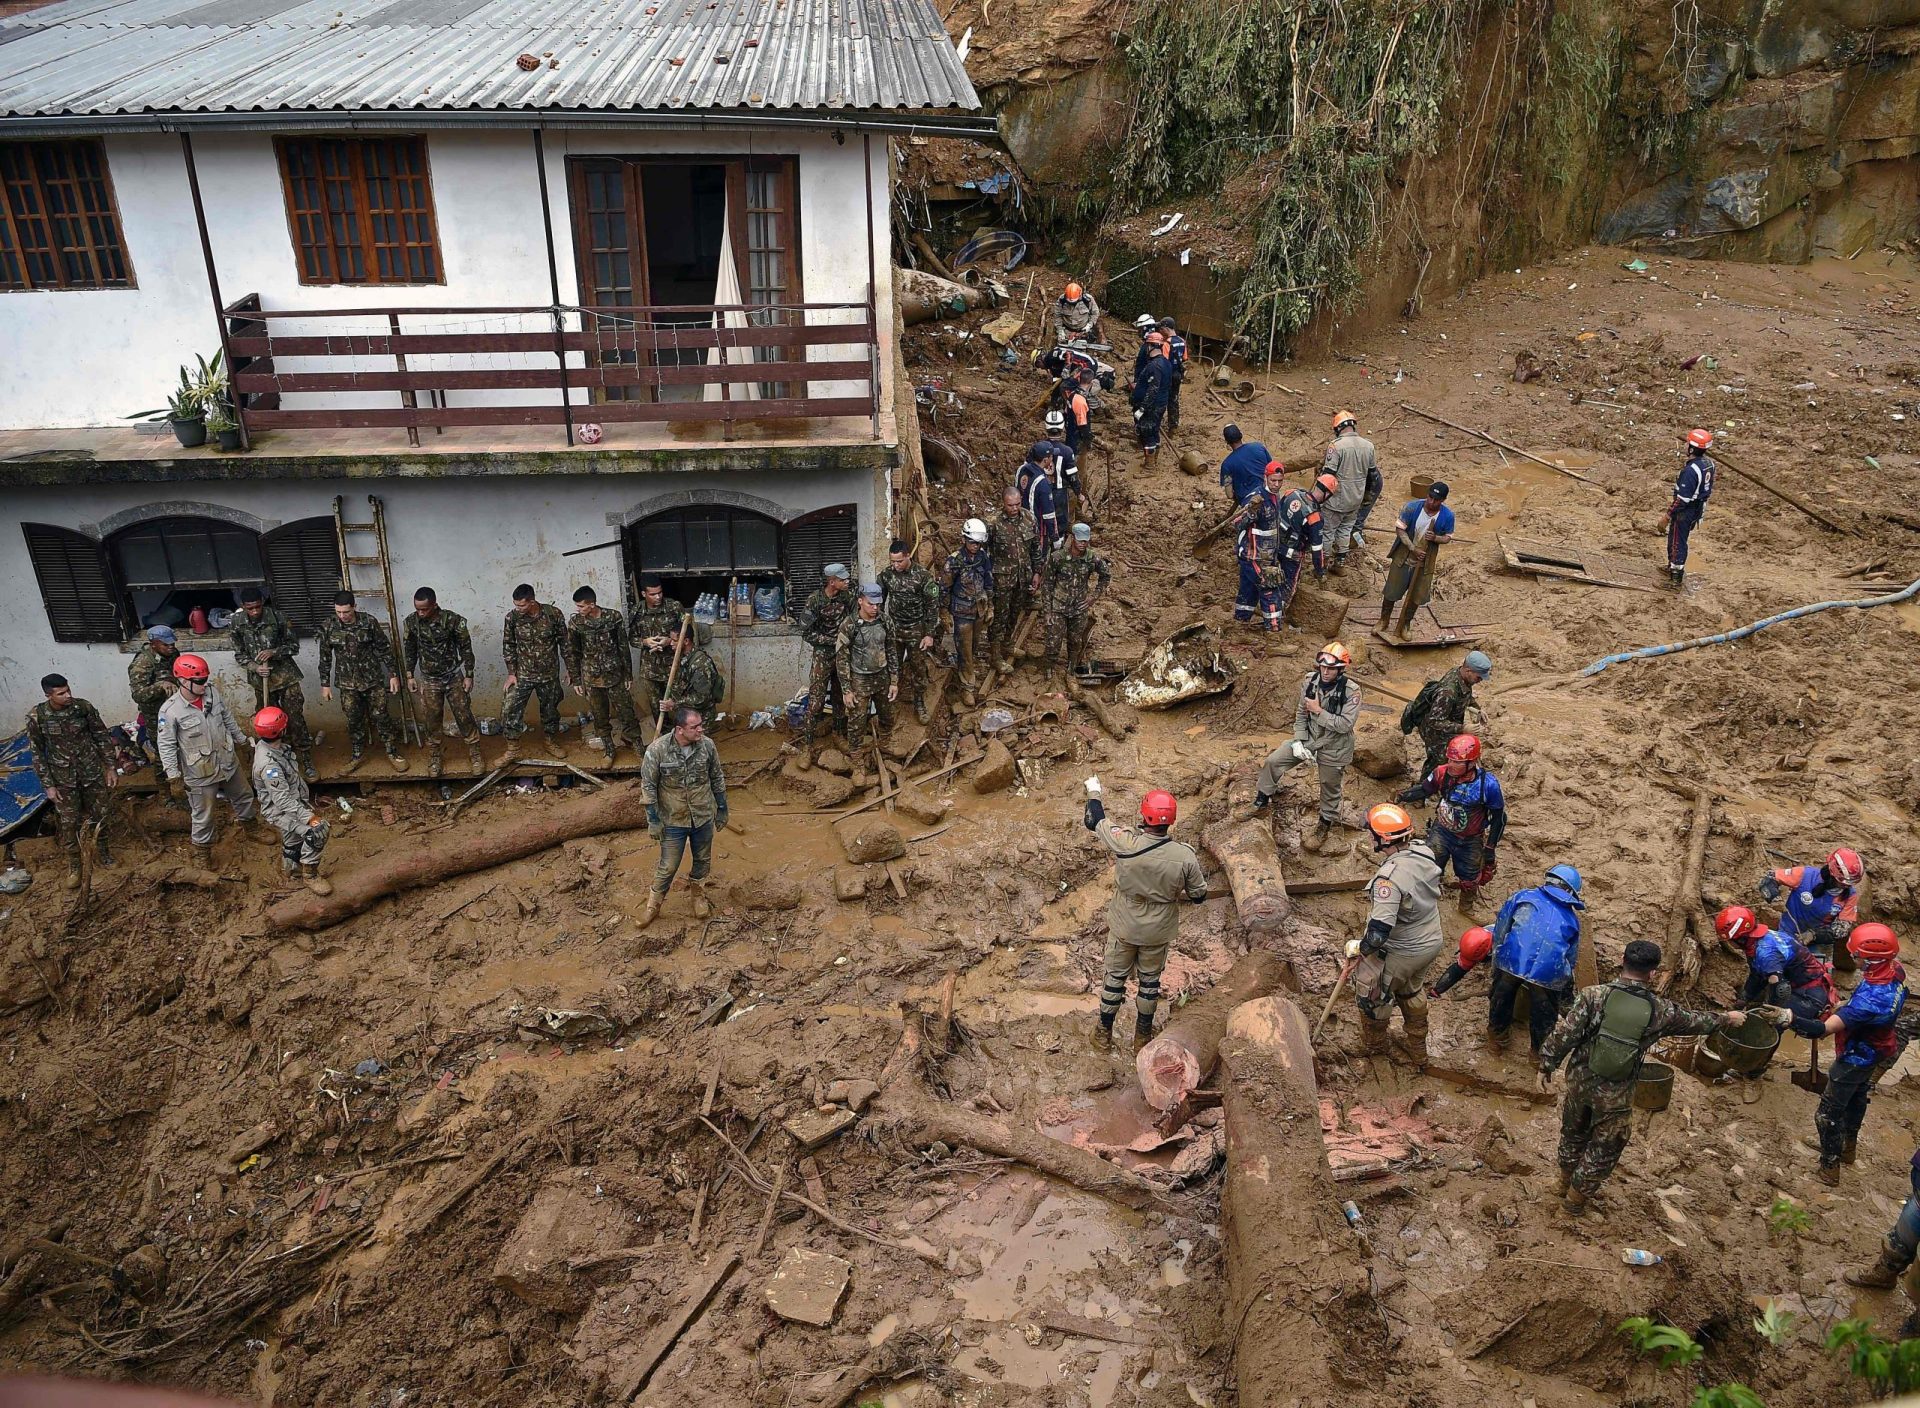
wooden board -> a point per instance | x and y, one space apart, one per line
1425 629
1580 564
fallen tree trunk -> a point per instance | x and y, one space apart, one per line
462 851
1297 1280
1246 852
1176 1062
1682 952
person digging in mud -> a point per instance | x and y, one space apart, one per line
1781 973
1151 871
686 796
1603 1040
1294 521
1075 579
1897 1254
1075 315
1536 939
1822 902
911 608
1350 459
869 672
73 757
1865 1027
1439 710
1691 490
1402 939
285 803
1323 724
1421 527
1471 817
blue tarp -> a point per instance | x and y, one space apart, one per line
21 794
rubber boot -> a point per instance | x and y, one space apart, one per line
1750 1091
1849 1151
1413 1042
289 867
702 909
203 856
1317 837
435 763
1468 899
310 872
73 872
399 763
1496 1044
610 751
555 745
1142 1031
967 696
258 830
1883 1275
353 763
1101 1037
1338 568
1563 1183
513 754
859 776
1373 1035
1575 1201
652 911
1260 803
1829 1174
473 753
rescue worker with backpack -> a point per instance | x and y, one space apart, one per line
1536 942
1439 710
1177 359
1603 1040
1403 937
1819 904
1471 818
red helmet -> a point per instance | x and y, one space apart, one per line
1700 439
1846 866
1072 292
1475 945
1873 942
1154 339
270 722
189 667
1328 483
1275 469
1158 808
1735 924
1389 824
1463 748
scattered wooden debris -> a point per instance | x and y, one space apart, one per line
1578 564
809 1286
660 1344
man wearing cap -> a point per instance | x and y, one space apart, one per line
1351 460
1075 580
265 646
1243 472
869 670
73 758
654 628
1422 526
910 604
150 677
966 586
1439 710
820 620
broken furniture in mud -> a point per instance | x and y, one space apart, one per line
1424 628
1577 564
1190 664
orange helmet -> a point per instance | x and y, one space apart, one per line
1158 808
1700 439
1333 653
1875 943
270 722
1463 748
1341 418
1846 866
1275 469
1072 293
189 667
1475 945
1155 339
1328 483
1734 923
1389 824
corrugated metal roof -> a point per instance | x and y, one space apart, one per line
238 56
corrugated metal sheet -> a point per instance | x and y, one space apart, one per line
188 56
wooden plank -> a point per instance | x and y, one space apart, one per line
661 1342
1598 569
399 417
606 339
548 378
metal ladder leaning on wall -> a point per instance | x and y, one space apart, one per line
376 528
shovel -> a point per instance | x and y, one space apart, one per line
1811 1078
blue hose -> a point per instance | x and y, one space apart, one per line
1727 637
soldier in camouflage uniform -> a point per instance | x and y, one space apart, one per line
600 664
654 629
265 645
1606 1033
356 654
1439 710
966 587
820 621
150 677
1074 580
700 683
686 796
912 611
74 759
533 641
1013 541
439 648
869 670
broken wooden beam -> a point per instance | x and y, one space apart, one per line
1682 952
661 1342
1502 444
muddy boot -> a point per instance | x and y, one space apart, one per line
353 763
555 746
1563 1182
652 911
1467 900
921 710
1412 1045
399 763
610 752
967 696
859 776
473 753
1575 1202
307 769
73 872
1829 1174
702 909
102 856
311 874
289 868
513 754
1338 568
1259 804
1496 1044
1101 1037
435 763
1373 1035
1883 1275
1142 1031
1317 837
1750 1091
259 831
203 856
1849 1151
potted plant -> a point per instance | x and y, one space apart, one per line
186 408
222 426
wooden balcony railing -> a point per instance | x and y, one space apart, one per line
431 368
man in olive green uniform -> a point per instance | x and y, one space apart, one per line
150 676
265 646
686 796
1403 935
1606 1033
911 606
1151 871
357 656
74 759
1323 724
1013 542
700 683
869 675
533 641
654 630
820 621
600 664
1074 581
439 659
1439 710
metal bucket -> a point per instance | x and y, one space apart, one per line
1745 1049
1654 1089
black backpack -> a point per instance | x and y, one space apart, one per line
1416 712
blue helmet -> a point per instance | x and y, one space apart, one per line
1567 879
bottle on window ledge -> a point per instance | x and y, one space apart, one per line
197 620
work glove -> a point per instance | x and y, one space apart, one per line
653 822
720 818
1487 866
1301 752
177 788
1353 950
1769 887
1407 798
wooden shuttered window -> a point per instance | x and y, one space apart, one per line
303 570
809 543
59 226
361 209
82 598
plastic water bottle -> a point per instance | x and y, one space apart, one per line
1633 1256
1352 1212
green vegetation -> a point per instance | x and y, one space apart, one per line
1887 1366
1785 1215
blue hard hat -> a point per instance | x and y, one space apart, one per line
162 633
1568 879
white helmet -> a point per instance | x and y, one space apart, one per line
974 531
1056 421
1144 323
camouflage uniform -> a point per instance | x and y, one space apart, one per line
912 613
1072 585
1596 1116
820 622
686 796
600 661
1446 716
1014 541
868 666
440 648
531 647
966 584
700 684
272 636
356 658
71 751
150 681
655 665
286 805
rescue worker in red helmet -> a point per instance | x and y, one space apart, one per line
1691 490
1151 872
285 803
1819 904
1781 972
1402 939
197 739
1476 945
1471 817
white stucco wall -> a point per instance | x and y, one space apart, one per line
92 357
470 539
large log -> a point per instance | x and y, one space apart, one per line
1246 853
1175 1063
476 846
1682 950
1297 1282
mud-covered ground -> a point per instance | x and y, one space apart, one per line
448 1206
